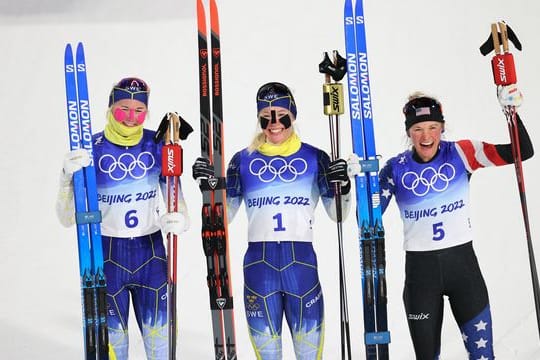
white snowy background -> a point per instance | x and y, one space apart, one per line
413 45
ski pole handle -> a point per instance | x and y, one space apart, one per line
333 103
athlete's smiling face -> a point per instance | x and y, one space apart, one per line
276 131
129 112
425 137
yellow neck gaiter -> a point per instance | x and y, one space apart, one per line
120 134
286 148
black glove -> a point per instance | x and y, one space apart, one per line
202 169
337 173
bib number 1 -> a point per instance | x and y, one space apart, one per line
279 222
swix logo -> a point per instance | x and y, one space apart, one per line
420 316
170 161
501 66
335 99
221 302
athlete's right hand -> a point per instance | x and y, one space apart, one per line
75 160
202 169
509 95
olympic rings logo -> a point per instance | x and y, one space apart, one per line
277 168
126 164
429 179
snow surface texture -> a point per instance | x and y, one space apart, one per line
413 45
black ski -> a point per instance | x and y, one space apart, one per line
214 210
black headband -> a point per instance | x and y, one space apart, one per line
422 109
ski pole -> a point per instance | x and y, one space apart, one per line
333 107
504 73
171 168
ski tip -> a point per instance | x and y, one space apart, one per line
68 54
201 18
79 55
214 17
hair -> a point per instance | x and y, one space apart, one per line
257 141
418 94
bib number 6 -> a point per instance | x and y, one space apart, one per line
131 219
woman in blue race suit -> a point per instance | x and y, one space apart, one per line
128 172
280 180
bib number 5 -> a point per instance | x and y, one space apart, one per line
438 231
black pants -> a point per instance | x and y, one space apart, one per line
453 272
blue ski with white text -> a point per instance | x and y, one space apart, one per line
369 213
87 214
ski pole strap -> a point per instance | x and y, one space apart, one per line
336 68
88 217
213 183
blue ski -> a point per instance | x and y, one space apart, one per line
369 214
87 214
